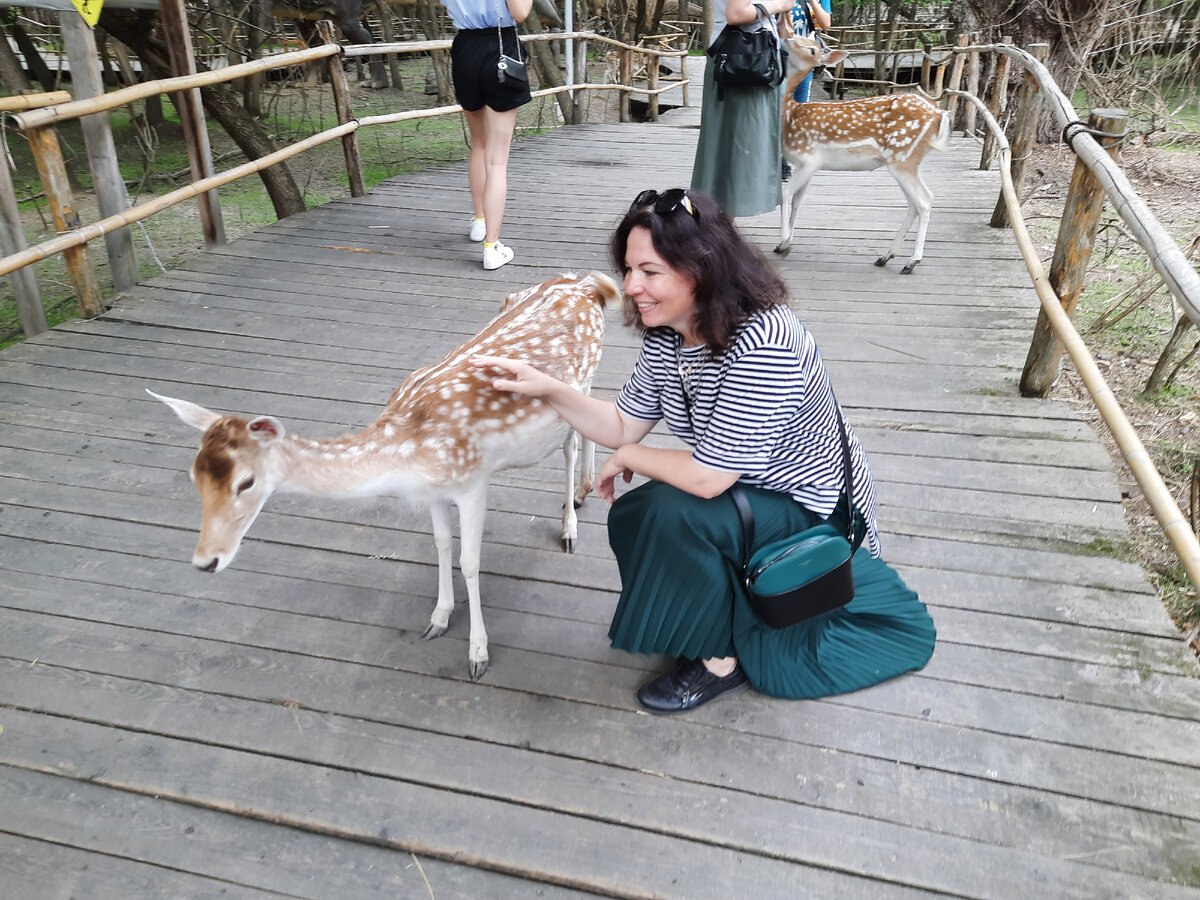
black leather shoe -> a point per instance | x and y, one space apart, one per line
687 686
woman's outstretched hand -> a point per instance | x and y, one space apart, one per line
522 377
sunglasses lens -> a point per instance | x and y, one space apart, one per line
645 198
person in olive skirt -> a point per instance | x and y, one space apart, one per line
738 151
485 27
740 381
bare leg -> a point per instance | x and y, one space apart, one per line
491 139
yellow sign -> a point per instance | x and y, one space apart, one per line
89 9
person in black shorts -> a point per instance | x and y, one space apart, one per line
490 107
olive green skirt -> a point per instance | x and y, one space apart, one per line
682 595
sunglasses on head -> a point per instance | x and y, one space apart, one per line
666 202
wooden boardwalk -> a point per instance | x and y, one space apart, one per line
280 730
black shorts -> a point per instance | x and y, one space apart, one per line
473 58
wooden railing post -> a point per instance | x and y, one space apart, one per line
956 70
47 156
626 81
191 116
997 103
341 103
107 182
1024 135
925 67
969 109
1072 252
12 240
652 85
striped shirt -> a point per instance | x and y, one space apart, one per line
764 409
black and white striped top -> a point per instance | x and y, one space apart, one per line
764 409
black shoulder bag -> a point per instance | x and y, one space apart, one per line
509 69
808 573
743 58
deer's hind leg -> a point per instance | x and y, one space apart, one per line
472 507
576 448
920 202
439 512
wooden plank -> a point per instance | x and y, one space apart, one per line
235 852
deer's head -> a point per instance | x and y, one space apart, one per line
235 472
806 53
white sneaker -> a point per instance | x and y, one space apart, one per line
496 256
478 230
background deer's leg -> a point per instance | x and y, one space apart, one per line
787 212
472 506
570 522
439 511
919 202
587 470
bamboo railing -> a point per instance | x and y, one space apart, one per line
38 125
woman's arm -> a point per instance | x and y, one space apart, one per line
674 467
597 420
820 15
520 9
742 12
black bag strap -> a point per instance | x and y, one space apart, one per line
856 524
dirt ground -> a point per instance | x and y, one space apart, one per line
1168 180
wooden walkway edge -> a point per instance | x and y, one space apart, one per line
279 730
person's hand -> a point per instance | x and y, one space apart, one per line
606 479
523 378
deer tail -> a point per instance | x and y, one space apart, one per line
606 288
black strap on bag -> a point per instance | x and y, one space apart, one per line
856 525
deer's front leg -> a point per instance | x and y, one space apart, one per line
471 510
439 511
570 522
793 193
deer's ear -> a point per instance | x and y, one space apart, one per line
835 57
265 429
190 413
786 29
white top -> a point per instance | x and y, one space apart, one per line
765 409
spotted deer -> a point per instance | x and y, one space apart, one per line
896 131
442 435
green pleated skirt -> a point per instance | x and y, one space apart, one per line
738 153
682 595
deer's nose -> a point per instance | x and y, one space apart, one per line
211 567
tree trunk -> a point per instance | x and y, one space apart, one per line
12 73
133 28
33 59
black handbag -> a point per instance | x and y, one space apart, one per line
509 69
743 58
808 573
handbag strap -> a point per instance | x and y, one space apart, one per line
856 529
500 35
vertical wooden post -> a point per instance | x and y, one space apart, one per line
627 81
997 103
191 114
969 110
939 77
956 71
12 240
47 155
111 197
1024 135
341 103
925 66
1072 252
652 85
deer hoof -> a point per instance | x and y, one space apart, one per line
433 631
478 667
568 544
882 261
783 249
908 269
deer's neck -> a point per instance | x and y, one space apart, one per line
793 82
382 459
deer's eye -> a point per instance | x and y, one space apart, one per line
246 484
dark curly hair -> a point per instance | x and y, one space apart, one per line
733 279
